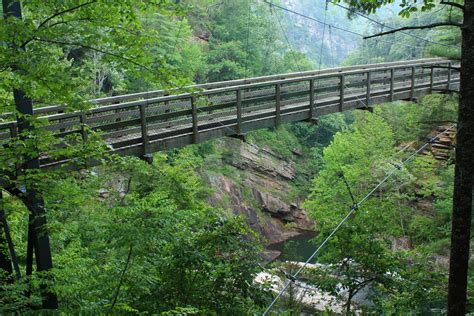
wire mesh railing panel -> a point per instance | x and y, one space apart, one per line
258 99
294 93
167 116
216 107
113 119
5 134
354 84
63 126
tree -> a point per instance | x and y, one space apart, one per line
44 62
361 256
464 170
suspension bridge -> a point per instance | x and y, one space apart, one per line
142 123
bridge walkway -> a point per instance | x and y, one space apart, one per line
143 123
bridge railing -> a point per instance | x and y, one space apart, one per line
55 109
141 126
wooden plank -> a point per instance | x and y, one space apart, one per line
449 76
14 130
277 104
144 130
431 78
82 121
342 86
195 120
311 99
392 84
239 111
413 70
368 83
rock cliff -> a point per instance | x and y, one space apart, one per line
258 184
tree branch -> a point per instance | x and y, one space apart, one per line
420 27
122 276
55 15
453 4
94 49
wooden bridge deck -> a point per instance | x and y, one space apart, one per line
143 123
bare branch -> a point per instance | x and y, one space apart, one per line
453 4
420 27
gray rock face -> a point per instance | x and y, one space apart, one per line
260 191
264 161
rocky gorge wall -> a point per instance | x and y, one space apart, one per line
258 184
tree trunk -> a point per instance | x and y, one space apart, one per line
464 173
38 237
350 294
5 263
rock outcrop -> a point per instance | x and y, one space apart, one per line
257 184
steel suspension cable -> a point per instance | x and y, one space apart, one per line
290 46
248 37
354 208
391 27
333 26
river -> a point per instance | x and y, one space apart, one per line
298 248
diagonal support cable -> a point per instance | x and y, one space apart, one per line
348 215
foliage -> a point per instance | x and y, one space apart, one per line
361 253
244 41
48 50
141 232
128 237
414 121
282 141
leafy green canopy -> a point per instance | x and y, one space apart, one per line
407 6
67 52
139 238
61 52
364 252
245 40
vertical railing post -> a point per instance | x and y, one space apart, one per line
195 120
432 79
449 76
311 99
412 93
82 121
144 128
277 104
14 130
369 78
239 111
62 130
342 85
14 134
392 84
